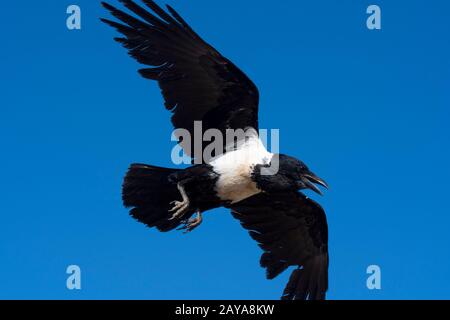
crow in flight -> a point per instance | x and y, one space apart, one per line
199 84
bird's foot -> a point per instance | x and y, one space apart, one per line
192 223
179 207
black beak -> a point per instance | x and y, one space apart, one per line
310 180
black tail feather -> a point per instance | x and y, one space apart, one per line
149 191
309 282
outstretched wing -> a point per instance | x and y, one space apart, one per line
292 230
197 82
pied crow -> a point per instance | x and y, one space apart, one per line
199 84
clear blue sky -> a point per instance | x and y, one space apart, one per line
367 110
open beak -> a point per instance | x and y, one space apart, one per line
310 180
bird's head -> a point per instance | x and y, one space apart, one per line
299 173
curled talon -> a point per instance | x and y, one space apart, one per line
193 223
176 205
179 209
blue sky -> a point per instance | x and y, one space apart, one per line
367 110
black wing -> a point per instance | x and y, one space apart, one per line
197 82
292 230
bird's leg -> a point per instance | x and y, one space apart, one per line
180 207
193 223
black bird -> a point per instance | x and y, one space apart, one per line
199 84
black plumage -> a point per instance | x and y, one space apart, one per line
199 84
292 231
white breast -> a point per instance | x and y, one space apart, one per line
235 169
